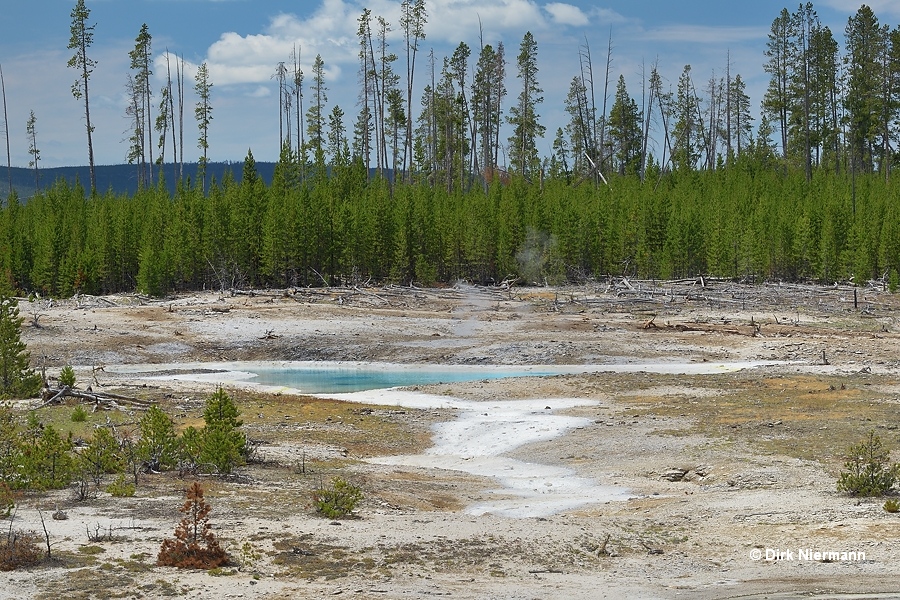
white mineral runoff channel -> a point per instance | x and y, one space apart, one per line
483 432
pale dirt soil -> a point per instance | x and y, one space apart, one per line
762 447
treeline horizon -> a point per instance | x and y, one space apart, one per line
749 221
119 178
818 204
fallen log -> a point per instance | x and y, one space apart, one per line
104 398
752 330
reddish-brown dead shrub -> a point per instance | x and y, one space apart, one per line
195 546
7 500
18 549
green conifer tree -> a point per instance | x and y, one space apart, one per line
16 378
158 443
222 444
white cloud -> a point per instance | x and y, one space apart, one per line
607 15
881 8
260 92
252 58
458 20
702 34
331 31
566 14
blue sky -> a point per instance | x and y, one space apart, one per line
243 40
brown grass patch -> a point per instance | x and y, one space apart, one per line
809 417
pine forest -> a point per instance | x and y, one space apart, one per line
675 182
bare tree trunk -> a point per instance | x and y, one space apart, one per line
6 127
377 112
172 121
433 120
179 72
647 107
728 104
298 89
90 131
590 132
602 149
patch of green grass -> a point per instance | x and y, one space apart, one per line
367 431
60 416
79 414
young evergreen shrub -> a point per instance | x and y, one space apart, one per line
79 415
338 501
48 462
194 546
10 448
158 445
16 378
248 555
102 455
868 470
67 376
221 443
891 505
120 488
190 444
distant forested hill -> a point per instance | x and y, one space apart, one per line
119 179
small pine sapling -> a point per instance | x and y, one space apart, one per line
338 501
67 376
868 470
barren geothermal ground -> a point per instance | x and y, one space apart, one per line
674 437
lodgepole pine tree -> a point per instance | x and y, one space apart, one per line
16 378
203 114
524 118
31 128
413 17
141 99
82 36
315 115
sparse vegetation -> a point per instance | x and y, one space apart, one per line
891 505
19 550
120 488
337 501
7 500
79 414
868 470
743 425
248 556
